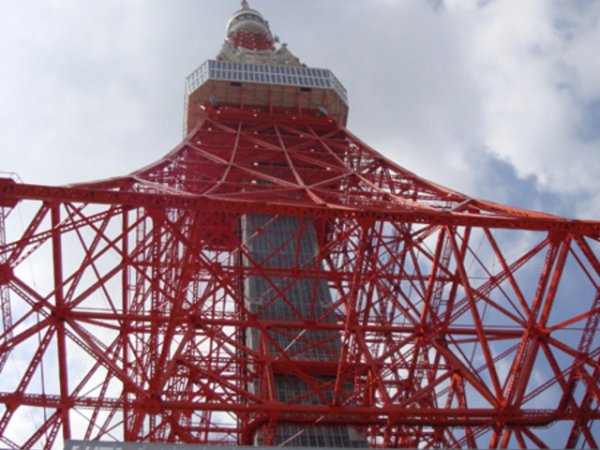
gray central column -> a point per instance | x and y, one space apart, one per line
279 245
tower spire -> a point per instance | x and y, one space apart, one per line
247 29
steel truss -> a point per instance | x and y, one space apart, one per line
462 323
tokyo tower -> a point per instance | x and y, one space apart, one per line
274 281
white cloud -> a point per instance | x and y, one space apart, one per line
449 90
530 112
582 29
91 89
461 5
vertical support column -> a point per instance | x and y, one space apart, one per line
5 273
543 298
125 326
59 313
157 252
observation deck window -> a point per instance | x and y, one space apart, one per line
263 73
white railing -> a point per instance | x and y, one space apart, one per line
307 77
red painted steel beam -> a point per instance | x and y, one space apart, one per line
341 414
13 191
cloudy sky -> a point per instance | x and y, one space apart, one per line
499 99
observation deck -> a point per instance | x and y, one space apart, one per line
296 89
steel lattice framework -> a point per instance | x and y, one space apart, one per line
460 322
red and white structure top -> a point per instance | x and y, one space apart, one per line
249 30
249 39
253 70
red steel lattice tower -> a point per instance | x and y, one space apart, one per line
275 281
